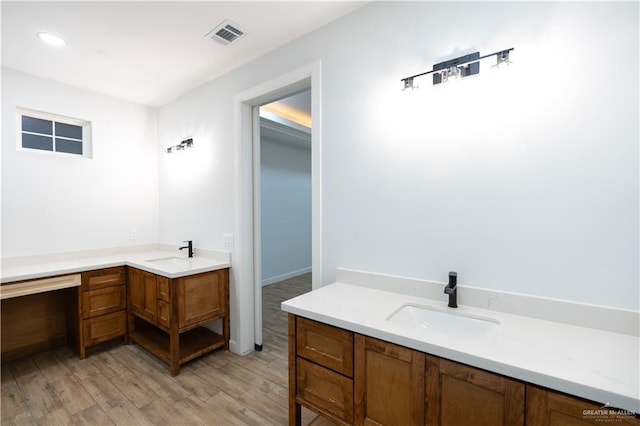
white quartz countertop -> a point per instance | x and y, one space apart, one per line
598 365
138 260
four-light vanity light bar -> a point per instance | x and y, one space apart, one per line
462 66
187 143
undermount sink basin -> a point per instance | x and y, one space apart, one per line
444 322
171 261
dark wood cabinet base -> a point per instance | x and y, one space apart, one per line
167 317
395 385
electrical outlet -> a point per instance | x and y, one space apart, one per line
227 240
133 235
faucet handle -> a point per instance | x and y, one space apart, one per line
452 290
453 279
189 247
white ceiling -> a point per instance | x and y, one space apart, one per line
150 52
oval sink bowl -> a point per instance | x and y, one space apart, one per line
444 322
171 261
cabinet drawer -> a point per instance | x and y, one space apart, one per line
325 389
102 278
103 301
326 345
105 327
163 313
163 288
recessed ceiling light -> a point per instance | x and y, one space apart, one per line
53 40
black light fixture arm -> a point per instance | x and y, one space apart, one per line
187 143
502 53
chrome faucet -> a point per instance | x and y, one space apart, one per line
452 290
188 246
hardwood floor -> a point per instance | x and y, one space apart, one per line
125 385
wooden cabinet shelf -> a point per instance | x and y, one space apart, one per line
167 316
193 343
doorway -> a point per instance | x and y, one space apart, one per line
284 208
246 257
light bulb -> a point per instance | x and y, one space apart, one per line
51 39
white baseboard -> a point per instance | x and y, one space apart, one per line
235 348
286 276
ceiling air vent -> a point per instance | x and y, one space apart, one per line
226 33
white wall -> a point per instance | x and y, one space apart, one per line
196 185
58 203
285 186
522 180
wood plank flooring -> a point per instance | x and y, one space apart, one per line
125 385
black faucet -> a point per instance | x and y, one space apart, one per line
452 290
188 246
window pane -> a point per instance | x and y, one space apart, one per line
36 125
37 142
65 145
68 130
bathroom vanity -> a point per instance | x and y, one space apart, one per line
354 359
161 302
167 317
352 379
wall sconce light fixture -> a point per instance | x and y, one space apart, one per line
460 67
187 143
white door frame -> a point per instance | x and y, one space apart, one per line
247 282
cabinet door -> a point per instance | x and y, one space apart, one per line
163 288
200 297
457 394
163 313
142 293
389 383
549 408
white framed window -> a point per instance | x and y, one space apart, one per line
45 132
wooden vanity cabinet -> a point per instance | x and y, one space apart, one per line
167 316
396 385
457 394
550 408
389 383
320 370
354 379
97 309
